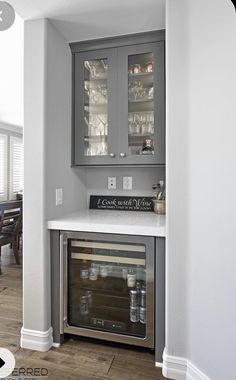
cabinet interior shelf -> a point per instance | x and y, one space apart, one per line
95 138
140 100
146 135
121 294
97 79
141 74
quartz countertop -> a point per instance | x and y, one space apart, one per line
115 222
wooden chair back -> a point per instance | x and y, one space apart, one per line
11 214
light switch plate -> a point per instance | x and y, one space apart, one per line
111 183
127 183
59 197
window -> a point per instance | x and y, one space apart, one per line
16 166
3 167
11 166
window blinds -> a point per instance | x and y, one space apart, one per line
3 167
16 166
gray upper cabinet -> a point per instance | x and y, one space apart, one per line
118 101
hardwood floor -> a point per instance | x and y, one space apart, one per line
75 359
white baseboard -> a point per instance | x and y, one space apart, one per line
193 373
179 368
174 367
158 364
36 340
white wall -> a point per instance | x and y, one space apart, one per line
201 179
11 69
47 166
35 259
100 19
177 172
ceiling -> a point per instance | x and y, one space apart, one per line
87 19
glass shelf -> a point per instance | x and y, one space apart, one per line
141 100
141 75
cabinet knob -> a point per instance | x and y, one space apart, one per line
112 155
122 155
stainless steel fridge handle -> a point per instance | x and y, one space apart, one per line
63 282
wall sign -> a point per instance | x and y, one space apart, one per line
103 202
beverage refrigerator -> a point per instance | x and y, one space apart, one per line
107 287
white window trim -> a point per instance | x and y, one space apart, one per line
4 196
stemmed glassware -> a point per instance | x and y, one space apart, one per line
141 123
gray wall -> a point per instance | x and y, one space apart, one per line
46 161
201 146
58 170
143 179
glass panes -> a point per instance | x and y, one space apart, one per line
95 107
141 105
107 287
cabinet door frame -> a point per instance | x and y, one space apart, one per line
78 156
158 158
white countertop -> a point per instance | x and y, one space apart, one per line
115 222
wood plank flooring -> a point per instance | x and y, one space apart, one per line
76 359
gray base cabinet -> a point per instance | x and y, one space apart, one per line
109 287
118 101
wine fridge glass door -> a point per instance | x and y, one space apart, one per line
107 287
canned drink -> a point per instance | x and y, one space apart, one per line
103 270
124 273
142 314
84 307
84 273
134 298
93 274
143 298
89 296
134 314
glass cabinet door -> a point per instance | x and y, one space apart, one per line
110 288
94 118
142 71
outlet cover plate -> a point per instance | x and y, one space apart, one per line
111 183
127 183
59 197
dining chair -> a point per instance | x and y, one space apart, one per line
11 226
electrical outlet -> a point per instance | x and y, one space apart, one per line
111 183
59 197
127 183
